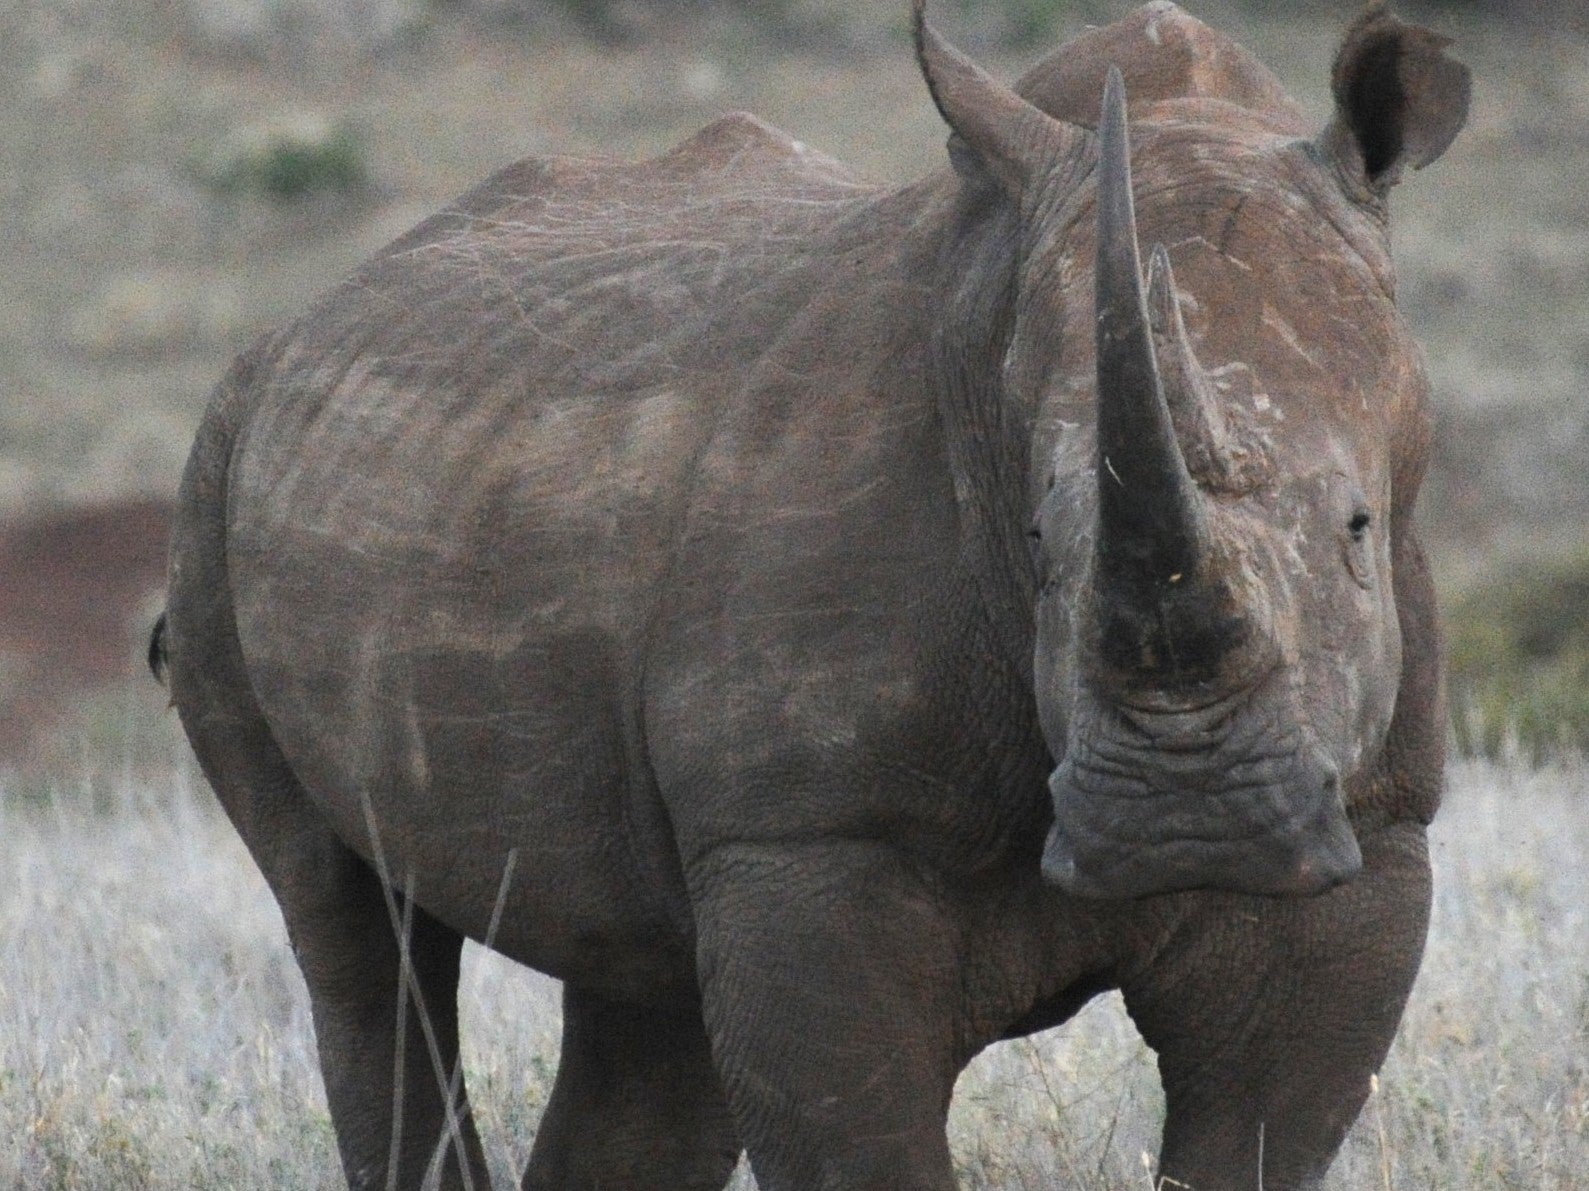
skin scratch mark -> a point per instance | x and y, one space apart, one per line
1212 247
1229 229
1288 335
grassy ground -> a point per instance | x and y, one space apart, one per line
154 1030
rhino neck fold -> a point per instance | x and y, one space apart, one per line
987 426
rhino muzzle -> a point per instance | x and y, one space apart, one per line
1147 804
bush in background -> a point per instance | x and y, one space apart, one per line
1511 9
302 33
287 158
1519 661
1036 24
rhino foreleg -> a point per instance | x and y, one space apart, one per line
1271 1016
637 1104
830 987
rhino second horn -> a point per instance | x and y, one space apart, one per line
1210 449
1152 527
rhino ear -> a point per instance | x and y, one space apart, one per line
995 131
1399 100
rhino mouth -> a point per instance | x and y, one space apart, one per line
1160 804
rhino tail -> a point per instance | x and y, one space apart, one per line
159 661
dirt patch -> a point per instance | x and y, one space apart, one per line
77 586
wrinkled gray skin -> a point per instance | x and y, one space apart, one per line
809 621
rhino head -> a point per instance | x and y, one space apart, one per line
1229 483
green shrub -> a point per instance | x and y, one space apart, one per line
287 159
1519 660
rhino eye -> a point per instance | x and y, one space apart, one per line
1358 525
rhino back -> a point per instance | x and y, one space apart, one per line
602 446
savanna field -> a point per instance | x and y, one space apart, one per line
154 1031
175 177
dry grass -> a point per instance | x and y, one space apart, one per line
154 1030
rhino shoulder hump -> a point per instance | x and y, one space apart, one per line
740 142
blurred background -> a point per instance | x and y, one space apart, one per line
180 175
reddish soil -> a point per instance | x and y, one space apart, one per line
75 585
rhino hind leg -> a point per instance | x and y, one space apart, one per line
375 1054
387 1101
388 1069
636 1105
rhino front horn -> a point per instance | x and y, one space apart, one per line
1151 524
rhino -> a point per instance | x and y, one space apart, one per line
834 627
